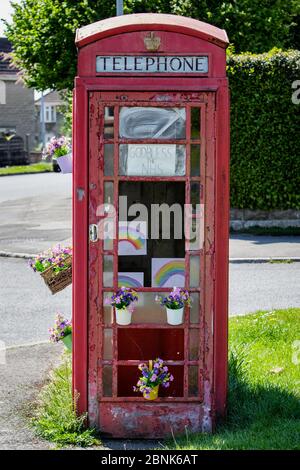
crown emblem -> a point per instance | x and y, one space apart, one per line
152 42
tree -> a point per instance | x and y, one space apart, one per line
42 31
252 25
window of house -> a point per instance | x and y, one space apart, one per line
50 113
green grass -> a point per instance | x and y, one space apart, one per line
271 231
55 416
263 401
41 167
264 386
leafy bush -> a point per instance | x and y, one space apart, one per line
265 155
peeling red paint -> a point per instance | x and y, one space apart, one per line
132 416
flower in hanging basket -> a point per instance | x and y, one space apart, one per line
57 147
123 301
61 330
55 267
55 258
153 375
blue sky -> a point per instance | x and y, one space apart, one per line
5 13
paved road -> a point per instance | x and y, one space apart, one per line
35 211
22 372
263 286
27 308
253 246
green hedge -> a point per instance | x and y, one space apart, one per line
265 131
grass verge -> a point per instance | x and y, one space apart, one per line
55 416
264 386
41 167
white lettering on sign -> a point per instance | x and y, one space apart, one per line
151 160
152 64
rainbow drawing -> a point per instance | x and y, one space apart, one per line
132 239
131 280
168 272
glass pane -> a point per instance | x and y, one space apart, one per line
152 123
107 309
193 381
194 345
107 381
108 344
108 193
195 160
148 310
142 343
194 271
194 308
109 229
195 197
108 122
195 234
108 271
129 375
108 223
157 261
152 160
108 159
195 123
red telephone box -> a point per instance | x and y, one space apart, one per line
151 126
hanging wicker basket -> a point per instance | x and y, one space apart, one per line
58 281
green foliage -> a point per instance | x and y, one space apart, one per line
55 417
251 25
264 397
265 156
43 31
42 167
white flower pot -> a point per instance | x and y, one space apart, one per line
123 316
175 317
65 163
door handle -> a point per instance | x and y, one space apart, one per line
93 232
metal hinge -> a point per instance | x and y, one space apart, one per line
93 231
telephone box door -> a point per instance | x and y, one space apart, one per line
151 199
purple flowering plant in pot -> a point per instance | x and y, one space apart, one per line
153 375
62 331
123 300
174 303
59 149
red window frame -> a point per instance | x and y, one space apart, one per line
97 102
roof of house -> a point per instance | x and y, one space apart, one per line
51 97
5 63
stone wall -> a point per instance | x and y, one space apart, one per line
245 218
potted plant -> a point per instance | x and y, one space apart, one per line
175 302
123 302
59 149
55 267
153 376
62 332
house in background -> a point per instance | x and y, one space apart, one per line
17 112
53 116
